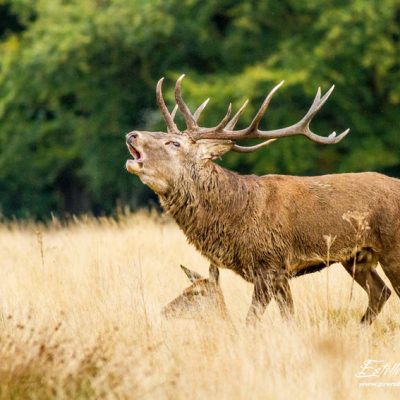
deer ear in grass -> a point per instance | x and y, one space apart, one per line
192 275
213 274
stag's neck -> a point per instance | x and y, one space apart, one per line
202 192
208 204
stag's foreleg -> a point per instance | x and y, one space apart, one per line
268 285
283 296
378 293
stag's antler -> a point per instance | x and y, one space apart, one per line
168 118
225 129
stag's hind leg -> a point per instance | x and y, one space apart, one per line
390 263
378 293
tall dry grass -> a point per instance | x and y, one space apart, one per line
80 318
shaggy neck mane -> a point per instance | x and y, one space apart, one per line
209 204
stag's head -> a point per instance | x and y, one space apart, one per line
160 158
202 299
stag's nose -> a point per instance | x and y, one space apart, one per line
132 136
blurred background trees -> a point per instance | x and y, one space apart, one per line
75 76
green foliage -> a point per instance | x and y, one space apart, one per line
75 76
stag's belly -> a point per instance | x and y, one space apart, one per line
360 257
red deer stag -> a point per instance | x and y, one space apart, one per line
269 228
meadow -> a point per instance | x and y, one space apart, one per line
80 319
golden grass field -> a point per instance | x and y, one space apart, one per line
80 318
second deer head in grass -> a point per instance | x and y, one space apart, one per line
203 299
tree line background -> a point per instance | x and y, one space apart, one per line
75 76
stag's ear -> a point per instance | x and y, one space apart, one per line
192 275
213 273
210 149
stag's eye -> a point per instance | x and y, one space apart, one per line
176 144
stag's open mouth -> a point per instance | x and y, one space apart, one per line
137 156
134 166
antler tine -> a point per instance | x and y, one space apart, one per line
169 120
173 114
250 149
211 132
318 103
224 120
256 120
189 119
200 109
304 124
331 139
231 124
